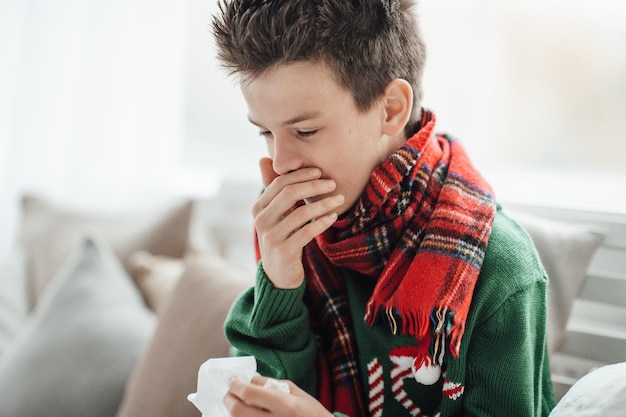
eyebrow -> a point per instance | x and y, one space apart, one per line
292 121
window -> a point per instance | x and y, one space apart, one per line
536 89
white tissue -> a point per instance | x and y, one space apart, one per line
213 377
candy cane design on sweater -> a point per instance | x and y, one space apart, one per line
403 360
452 390
377 388
405 366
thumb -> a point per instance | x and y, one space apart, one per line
267 171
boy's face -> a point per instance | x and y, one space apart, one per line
308 120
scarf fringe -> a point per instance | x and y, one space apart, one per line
440 331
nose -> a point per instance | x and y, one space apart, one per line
287 156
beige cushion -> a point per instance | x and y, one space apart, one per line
189 332
76 351
565 251
156 276
49 231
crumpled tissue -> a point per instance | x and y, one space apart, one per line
213 377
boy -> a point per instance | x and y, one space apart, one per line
390 283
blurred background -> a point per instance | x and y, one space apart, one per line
106 102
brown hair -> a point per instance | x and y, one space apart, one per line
367 43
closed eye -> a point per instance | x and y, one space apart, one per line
306 133
300 133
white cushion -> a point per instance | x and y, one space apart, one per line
13 297
565 251
75 352
600 393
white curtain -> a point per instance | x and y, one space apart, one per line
124 97
91 92
91 97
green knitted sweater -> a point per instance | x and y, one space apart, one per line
502 368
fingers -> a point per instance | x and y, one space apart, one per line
272 383
277 207
307 221
267 171
274 210
283 227
254 399
281 242
249 398
291 182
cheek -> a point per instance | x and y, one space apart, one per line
358 176
352 184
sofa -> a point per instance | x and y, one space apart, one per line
112 314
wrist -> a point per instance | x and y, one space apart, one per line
276 305
285 278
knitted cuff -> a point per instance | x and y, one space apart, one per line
275 305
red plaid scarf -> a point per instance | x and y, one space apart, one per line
421 229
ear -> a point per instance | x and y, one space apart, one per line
398 102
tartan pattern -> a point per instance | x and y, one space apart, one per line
421 229
337 363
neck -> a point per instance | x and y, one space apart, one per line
391 144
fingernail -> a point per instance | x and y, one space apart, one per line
330 184
339 199
315 172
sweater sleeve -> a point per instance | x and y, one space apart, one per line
272 324
510 373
